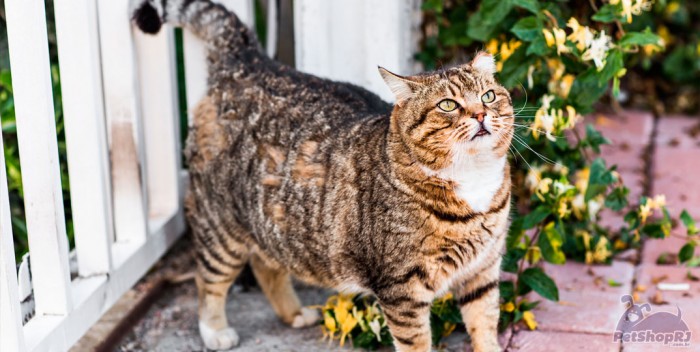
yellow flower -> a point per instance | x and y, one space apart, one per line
571 114
659 201
563 209
619 244
578 205
597 50
530 71
330 325
665 35
644 211
594 205
508 307
543 187
448 328
345 328
529 319
533 254
601 253
672 8
376 328
582 179
532 179
556 37
492 47
565 85
581 35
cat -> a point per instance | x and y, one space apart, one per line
322 180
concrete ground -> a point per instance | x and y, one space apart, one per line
655 156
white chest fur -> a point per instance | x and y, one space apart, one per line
476 178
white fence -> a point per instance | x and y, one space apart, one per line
121 116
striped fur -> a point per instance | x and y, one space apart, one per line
323 181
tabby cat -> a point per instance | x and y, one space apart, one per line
322 180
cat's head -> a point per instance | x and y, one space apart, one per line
452 113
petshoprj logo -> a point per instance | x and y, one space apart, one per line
636 326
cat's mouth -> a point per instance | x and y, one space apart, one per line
482 132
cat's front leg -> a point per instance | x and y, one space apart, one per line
478 301
408 318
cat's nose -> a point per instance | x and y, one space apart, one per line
479 116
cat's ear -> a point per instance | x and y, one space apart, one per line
402 87
484 63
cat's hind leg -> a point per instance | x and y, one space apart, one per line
220 258
276 283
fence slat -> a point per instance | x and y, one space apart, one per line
36 133
11 335
86 139
157 68
125 129
195 54
385 33
272 28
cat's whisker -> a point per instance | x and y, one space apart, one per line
544 158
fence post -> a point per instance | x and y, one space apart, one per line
346 39
125 129
36 134
11 334
86 139
158 78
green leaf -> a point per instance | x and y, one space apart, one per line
538 46
594 139
490 14
686 252
507 290
525 305
587 89
607 13
655 230
639 38
617 199
433 5
515 68
689 223
536 216
528 28
511 259
550 242
530 5
598 180
613 283
536 279
613 64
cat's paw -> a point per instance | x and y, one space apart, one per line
223 339
306 317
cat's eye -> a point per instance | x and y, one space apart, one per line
488 97
447 105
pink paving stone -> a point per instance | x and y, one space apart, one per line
633 127
549 341
653 248
587 303
676 168
678 131
458 342
687 301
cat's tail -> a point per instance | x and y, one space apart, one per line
209 20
